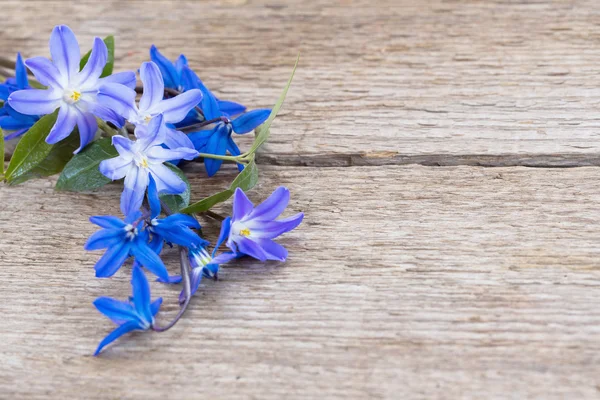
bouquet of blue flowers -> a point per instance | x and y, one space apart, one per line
93 126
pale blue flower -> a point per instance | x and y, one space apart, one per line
152 104
139 159
70 90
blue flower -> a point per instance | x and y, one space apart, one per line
140 159
11 120
70 90
218 140
123 239
252 229
176 227
136 314
171 72
204 264
152 104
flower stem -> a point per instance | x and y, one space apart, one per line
236 159
185 276
104 127
187 290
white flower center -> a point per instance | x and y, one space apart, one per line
131 231
71 96
141 160
201 258
240 229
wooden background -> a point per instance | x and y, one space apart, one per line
445 252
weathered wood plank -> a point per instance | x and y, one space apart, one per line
390 82
403 282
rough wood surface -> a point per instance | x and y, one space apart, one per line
385 82
404 282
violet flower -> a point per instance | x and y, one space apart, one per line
70 90
252 229
140 159
152 104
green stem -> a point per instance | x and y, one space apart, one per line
106 129
236 159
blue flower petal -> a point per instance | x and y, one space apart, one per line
9 123
155 306
66 121
141 295
166 180
112 260
126 78
180 63
223 234
87 125
104 238
119 98
200 138
35 101
172 279
273 250
117 333
272 229
94 66
117 311
64 50
149 259
169 73
249 121
45 72
134 190
154 87
153 199
21 73
274 205
217 144
107 221
251 248
234 150
209 102
242 205
230 108
176 108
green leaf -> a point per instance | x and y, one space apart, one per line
32 149
262 132
176 202
81 173
110 61
245 180
2 152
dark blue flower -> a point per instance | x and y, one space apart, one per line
204 264
171 71
136 314
11 120
123 239
218 140
176 228
252 229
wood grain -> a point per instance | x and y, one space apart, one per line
402 282
388 82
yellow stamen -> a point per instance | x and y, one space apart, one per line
144 163
245 232
75 96
147 119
